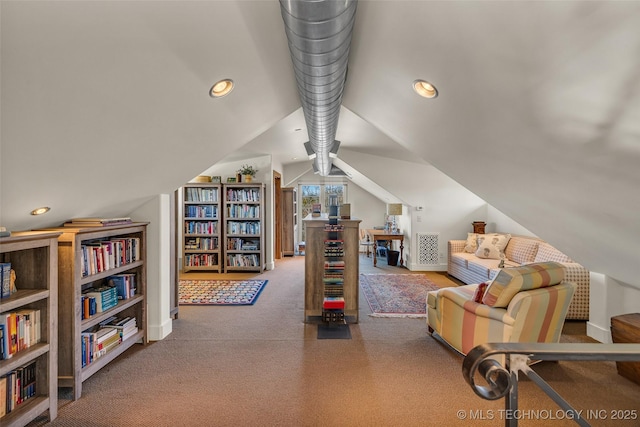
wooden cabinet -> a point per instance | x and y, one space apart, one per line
201 228
289 221
314 267
243 223
34 258
79 271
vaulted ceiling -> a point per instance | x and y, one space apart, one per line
105 104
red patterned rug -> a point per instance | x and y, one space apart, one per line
397 295
220 292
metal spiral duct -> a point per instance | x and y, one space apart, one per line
319 34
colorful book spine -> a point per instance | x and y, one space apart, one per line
5 279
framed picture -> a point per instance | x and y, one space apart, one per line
231 179
216 179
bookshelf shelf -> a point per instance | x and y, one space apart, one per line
34 258
201 215
72 285
315 273
243 223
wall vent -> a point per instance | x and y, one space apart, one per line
427 248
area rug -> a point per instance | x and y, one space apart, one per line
334 332
220 292
396 295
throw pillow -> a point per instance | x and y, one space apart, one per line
510 281
521 251
492 245
472 243
479 293
546 252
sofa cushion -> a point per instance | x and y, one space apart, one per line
471 244
546 252
509 281
482 266
522 250
461 258
492 246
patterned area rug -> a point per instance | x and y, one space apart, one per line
396 295
220 292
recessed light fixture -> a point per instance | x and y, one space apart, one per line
40 211
221 88
297 129
425 89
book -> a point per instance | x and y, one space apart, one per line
5 279
3 396
4 232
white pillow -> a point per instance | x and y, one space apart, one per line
472 243
492 246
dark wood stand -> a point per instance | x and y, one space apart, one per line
626 329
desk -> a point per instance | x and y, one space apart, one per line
388 236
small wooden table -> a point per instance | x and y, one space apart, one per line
388 236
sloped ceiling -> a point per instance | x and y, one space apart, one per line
105 104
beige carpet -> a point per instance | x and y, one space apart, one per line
261 365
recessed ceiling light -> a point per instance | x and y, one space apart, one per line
221 88
425 89
40 211
297 129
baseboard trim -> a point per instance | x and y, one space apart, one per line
426 267
159 332
598 333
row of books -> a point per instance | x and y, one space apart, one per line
197 194
334 265
97 300
200 260
104 255
243 211
201 243
17 387
105 337
7 280
243 260
19 330
125 285
239 244
200 227
243 194
204 211
245 227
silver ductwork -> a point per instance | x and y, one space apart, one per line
319 34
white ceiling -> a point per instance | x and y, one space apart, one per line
105 104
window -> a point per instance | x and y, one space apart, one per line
316 193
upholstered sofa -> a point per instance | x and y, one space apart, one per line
474 260
522 304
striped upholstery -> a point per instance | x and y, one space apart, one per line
535 315
510 281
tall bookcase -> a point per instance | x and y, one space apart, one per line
289 220
34 258
76 276
243 219
314 266
201 232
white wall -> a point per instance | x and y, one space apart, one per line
499 222
157 213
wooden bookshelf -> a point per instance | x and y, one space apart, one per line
243 223
289 221
201 227
314 264
71 284
34 258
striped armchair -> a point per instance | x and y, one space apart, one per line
522 304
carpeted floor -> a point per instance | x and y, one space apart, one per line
220 292
396 295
